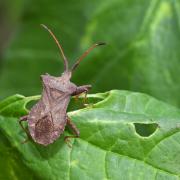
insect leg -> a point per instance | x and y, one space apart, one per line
85 100
24 118
82 89
74 129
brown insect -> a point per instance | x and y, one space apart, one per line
48 118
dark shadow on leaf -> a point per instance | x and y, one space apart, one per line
49 151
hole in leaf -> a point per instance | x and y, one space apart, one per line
30 104
145 130
76 104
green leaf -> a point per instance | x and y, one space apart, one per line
125 135
14 106
142 52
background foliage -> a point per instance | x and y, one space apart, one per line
142 52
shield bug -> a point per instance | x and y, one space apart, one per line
47 118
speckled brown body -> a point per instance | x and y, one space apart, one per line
47 118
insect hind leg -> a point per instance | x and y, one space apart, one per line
75 131
24 118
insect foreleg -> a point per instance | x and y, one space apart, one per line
80 90
24 118
74 129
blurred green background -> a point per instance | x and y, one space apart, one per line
142 52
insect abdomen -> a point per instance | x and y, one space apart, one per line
44 130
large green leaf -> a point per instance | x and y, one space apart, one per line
142 52
125 135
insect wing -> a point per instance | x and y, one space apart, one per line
47 118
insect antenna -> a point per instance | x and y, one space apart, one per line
85 54
60 47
